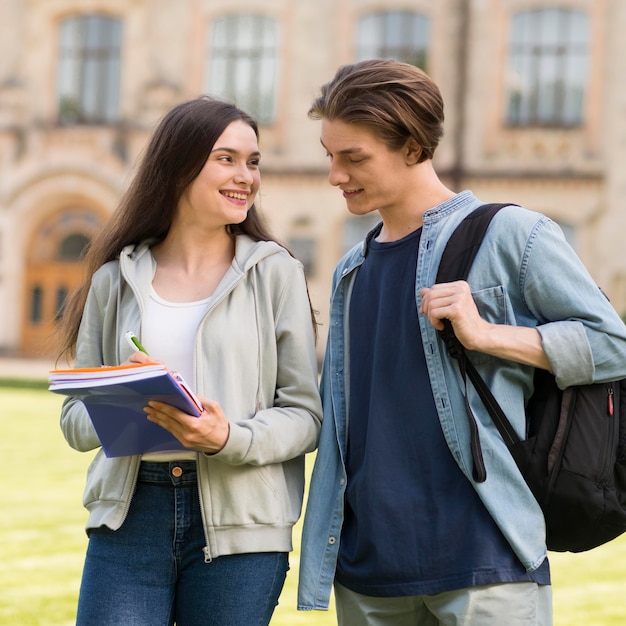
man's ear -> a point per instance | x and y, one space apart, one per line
413 152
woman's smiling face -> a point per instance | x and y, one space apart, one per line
227 185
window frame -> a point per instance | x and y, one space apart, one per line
243 63
536 57
382 27
89 69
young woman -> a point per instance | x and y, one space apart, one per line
200 536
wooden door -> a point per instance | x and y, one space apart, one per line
54 269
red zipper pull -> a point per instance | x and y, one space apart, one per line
610 406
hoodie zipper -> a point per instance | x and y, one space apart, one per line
208 557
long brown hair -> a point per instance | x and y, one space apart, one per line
173 158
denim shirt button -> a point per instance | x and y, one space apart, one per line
331 540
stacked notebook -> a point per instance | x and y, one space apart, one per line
115 397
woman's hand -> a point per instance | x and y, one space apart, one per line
138 357
207 433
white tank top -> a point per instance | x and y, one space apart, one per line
169 332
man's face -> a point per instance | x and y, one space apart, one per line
371 176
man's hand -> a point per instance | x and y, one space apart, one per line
454 301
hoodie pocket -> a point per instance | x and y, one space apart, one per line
251 495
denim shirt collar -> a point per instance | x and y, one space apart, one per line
431 216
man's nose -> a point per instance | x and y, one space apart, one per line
337 175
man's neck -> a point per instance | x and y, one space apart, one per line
401 221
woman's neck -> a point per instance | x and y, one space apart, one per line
189 266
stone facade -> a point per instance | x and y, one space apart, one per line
60 181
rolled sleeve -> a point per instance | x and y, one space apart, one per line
568 349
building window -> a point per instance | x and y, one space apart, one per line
303 248
243 63
89 69
356 229
548 67
400 35
36 305
61 300
71 247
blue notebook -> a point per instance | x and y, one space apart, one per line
114 398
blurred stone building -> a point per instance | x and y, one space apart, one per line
535 108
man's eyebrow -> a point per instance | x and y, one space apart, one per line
354 150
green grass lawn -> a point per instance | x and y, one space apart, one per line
42 540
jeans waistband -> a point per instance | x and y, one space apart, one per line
168 473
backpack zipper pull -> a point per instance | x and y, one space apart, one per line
610 407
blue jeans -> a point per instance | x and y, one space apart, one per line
151 572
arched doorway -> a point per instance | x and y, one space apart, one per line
53 270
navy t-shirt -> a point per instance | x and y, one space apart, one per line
413 522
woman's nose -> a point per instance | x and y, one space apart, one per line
243 175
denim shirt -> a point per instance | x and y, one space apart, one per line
524 274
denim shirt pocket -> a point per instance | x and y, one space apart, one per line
491 305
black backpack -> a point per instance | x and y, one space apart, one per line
574 454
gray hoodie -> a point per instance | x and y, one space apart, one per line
255 355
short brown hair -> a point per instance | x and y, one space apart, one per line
395 100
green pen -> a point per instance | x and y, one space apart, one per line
134 342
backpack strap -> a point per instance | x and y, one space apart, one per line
464 243
455 264
458 256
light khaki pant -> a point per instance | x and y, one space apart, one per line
504 604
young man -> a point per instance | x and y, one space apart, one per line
395 519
